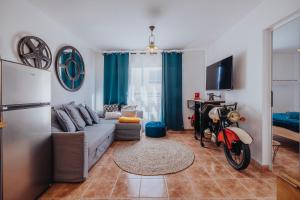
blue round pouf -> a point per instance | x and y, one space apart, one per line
155 129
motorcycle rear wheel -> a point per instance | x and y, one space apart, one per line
244 152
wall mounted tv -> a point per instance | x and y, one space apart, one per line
219 75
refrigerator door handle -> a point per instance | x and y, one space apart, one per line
4 108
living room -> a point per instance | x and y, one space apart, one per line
140 115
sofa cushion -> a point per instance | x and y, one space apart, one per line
128 126
75 116
85 114
93 115
110 121
65 121
97 134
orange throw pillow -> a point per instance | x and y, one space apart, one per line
129 120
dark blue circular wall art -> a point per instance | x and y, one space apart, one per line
69 67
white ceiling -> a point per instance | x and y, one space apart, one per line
287 37
123 24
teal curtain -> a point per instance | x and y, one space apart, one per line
172 90
116 78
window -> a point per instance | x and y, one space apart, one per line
145 75
155 76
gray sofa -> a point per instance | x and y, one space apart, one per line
75 153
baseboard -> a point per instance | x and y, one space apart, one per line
259 166
184 130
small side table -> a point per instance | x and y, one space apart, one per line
275 145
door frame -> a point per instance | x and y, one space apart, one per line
267 86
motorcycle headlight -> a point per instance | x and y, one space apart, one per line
234 116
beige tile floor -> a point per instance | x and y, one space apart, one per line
209 177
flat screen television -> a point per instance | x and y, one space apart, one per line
219 75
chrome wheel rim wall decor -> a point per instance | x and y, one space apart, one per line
70 69
33 51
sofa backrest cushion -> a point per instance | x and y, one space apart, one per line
85 114
65 121
61 106
55 125
93 115
75 116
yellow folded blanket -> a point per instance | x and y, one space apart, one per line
129 120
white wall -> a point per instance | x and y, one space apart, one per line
193 80
19 18
285 93
99 78
246 42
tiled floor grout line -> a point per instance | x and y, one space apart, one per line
166 184
191 183
89 185
238 179
140 187
113 188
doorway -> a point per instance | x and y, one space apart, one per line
286 97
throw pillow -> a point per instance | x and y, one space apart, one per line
129 107
129 110
75 116
134 120
111 108
128 113
112 115
65 121
85 114
93 115
55 124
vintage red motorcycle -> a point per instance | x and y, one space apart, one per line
222 127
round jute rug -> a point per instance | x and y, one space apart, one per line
151 157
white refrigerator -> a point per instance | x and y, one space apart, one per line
26 135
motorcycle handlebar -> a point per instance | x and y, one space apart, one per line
230 105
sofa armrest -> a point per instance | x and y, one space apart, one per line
70 152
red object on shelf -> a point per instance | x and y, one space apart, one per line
197 96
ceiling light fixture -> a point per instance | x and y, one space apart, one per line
152 47
298 50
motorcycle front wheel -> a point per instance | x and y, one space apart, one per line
239 156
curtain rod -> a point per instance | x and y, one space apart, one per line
142 51
158 51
